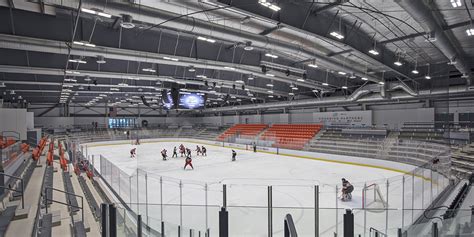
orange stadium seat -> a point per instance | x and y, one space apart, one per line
293 136
247 130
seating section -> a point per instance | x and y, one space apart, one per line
247 130
6 142
337 141
463 160
90 197
291 136
71 199
416 152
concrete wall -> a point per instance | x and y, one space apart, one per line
391 117
396 117
30 120
13 120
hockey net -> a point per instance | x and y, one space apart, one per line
372 198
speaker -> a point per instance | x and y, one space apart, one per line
175 97
144 100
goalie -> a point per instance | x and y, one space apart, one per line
347 189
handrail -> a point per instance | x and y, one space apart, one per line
67 204
378 233
289 226
15 190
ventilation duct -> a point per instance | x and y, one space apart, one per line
404 87
341 100
424 16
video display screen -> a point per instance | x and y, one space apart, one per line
121 122
191 100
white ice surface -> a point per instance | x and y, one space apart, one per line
292 180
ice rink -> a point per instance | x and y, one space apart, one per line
180 196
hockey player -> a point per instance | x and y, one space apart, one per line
163 154
137 142
133 152
189 162
347 189
234 154
175 152
198 150
182 150
203 151
188 151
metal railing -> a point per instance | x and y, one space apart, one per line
376 233
22 190
289 226
46 199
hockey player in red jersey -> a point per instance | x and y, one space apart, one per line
189 162
182 150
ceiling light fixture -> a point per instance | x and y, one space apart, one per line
206 39
456 3
415 71
470 32
373 52
427 76
327 76
96 12
239 81
271 55
230 68
267 4
344 87
248 46
269 74
70 80
72 72
171 59
337 35
77 61
341 73
251 77
149 70
191 69
84 43
291 93
100 59
127 22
